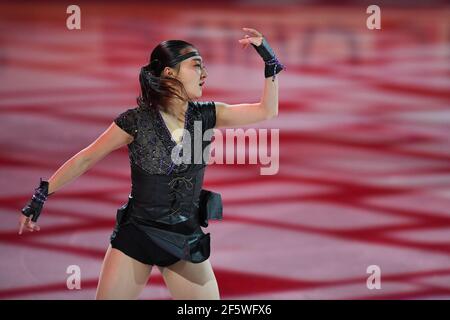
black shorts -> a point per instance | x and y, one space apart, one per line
137 245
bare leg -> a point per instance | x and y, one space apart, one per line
188 281
121 277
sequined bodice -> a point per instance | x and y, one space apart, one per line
153 145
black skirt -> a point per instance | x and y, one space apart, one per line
135 244
136 240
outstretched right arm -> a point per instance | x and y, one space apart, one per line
111 139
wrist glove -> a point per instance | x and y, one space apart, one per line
34 207
272 65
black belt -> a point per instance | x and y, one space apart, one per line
210 207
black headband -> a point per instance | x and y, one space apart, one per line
185 56
155 64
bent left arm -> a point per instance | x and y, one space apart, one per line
235 115
247 113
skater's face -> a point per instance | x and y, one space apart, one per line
192 73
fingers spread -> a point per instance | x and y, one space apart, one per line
253 31
33 226
21 228
28 225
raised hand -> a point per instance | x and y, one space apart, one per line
254 38
259 42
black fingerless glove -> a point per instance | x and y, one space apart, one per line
34 207
272 65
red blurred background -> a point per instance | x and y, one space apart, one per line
364 124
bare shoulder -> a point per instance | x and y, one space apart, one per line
109 140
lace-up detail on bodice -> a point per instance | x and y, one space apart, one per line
178 187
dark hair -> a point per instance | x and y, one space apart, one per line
154 86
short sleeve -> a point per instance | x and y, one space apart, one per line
127 121
208 111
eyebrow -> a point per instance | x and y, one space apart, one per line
197 59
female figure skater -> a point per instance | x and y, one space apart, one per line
161 222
